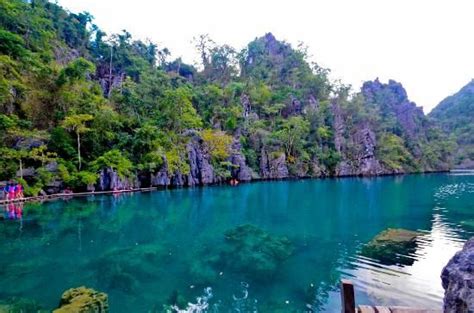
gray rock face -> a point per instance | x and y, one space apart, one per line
273 167
338 127
201 170
52 167
368 164
28 143
294 107
247 108
458 281
313 104
27 172
64 55
55 186
241 171
161 177
109 179
363 161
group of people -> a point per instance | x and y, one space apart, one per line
13 191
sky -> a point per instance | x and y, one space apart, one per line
427 45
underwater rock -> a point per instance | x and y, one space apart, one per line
247 250
458 281
122 269
20 305
176 299
83 300
251 250
392 247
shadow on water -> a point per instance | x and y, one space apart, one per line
267 247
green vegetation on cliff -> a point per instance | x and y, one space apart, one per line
456 115
74 101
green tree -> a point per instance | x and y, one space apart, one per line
292 134
177 112
77 124
19 155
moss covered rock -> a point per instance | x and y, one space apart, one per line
83 300
392 247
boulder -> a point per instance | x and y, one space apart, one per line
392 247
109 179
55 186
83 300
458 281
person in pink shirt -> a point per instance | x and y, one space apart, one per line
18 191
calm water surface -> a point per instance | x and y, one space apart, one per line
146 250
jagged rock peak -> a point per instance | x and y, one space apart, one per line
394 88
271 46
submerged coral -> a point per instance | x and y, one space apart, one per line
392 247
83 300
252 250
247 250
20 305
121 269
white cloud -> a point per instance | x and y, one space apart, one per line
425 44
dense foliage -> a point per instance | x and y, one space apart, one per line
74 100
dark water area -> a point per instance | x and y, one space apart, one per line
278 246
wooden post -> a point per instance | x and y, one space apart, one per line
347 296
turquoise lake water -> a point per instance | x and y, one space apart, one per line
278 246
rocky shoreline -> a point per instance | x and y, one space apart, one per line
62 195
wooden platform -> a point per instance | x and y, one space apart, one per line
392 309
77 194
348 303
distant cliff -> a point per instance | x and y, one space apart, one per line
455 114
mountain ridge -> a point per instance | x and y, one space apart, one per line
455 114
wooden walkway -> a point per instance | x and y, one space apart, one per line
71 195
348 303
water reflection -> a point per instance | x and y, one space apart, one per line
14 211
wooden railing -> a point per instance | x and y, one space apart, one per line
349 306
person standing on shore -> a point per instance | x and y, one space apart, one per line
6 191
11 191
19 191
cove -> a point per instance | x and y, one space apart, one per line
277 246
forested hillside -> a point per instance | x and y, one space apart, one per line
83 109
455 114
